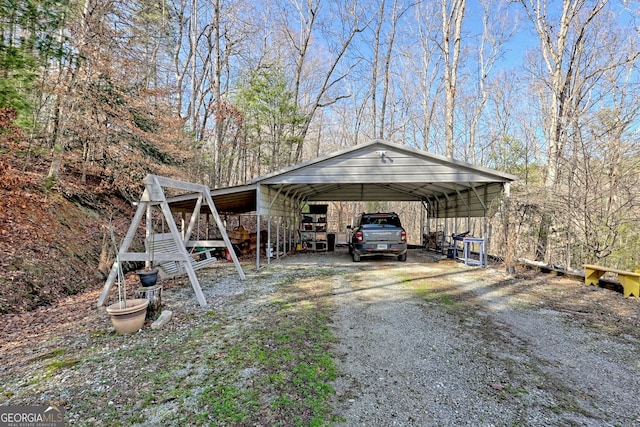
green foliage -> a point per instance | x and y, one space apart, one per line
58 365
144 121
266 95
30 40
49 183
16 78
228 403
512 156
271 117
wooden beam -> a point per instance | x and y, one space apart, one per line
223 232
142 207
166 210
162 181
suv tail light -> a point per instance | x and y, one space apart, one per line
403 236
359 236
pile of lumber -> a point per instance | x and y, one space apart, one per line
246 242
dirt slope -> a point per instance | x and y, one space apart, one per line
51 242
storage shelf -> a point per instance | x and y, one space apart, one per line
313 229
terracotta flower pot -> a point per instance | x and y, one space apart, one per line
128 319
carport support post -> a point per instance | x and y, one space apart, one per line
277 237
486 238
423 241
273 200
286 222
287 234
258 241
266 246
289 225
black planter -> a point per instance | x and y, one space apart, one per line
148 278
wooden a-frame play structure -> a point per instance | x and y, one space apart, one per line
178 255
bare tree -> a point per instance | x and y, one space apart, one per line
422 71
380 18
82 21
562 44
208 37
496 32
451 45
105 114
397 12
605 163
321 83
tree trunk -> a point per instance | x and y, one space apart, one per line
451 45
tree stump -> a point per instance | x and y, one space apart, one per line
154 295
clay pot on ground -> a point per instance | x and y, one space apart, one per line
128 317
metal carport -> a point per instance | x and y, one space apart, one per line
375 171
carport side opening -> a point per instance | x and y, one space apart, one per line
283 232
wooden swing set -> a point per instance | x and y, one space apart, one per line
171 251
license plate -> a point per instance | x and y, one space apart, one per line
381 247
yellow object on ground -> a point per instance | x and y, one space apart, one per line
630 281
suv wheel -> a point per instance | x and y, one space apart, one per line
356 257
402 257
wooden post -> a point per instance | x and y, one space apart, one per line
154 295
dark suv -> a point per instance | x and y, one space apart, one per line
378 234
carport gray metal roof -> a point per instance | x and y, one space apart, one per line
385 171
375 171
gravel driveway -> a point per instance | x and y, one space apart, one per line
427 342
483 353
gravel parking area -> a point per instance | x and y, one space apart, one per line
426 342
487 350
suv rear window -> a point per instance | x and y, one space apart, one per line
381 220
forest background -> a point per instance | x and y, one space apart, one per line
96 94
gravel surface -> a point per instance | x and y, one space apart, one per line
427 342
494 357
